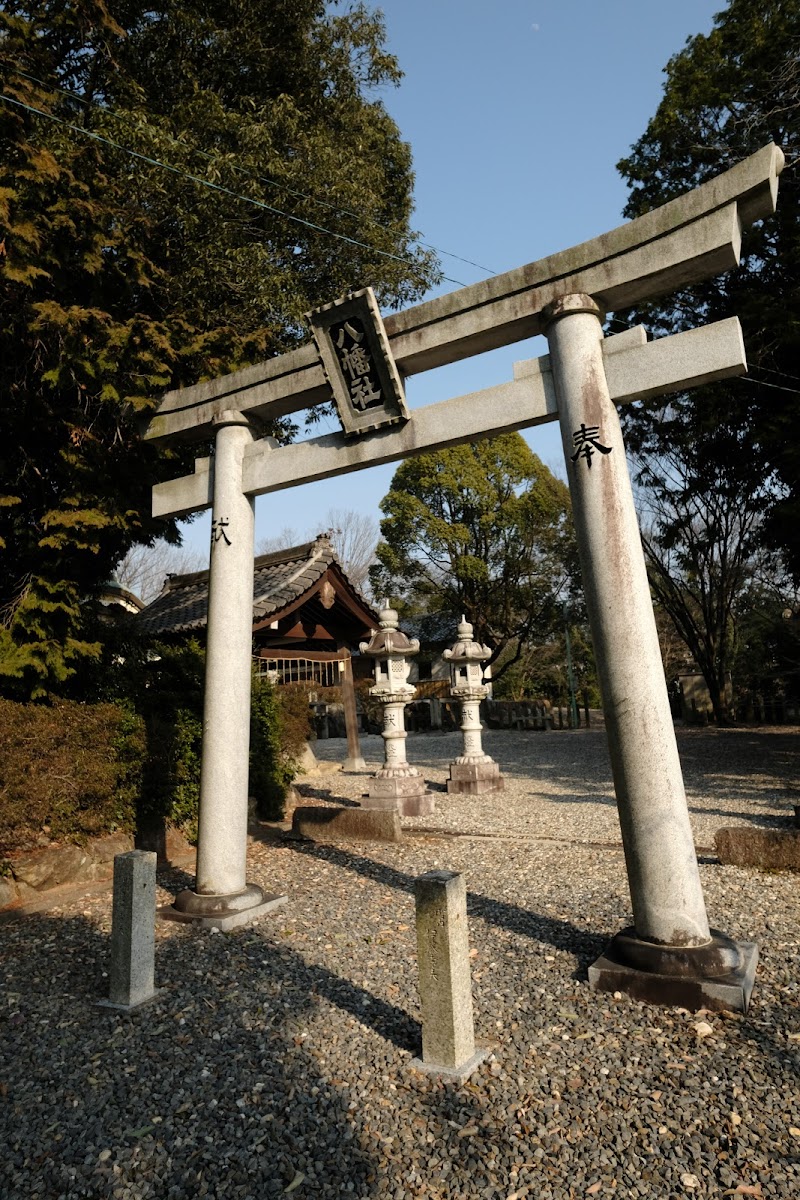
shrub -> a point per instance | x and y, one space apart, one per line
279 728
167 691
69 770
295 713
73 771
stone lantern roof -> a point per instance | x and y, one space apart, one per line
466 649
389 641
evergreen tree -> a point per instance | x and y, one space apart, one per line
719 468
726 95
482 529
122 278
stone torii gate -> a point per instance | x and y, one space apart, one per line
670 955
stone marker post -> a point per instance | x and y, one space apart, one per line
473 771
222 896
445 986
133 915
670 955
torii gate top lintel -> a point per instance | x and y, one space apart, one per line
693 237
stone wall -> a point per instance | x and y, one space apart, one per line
37 871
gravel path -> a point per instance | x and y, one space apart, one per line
275 1062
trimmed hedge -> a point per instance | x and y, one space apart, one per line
68 771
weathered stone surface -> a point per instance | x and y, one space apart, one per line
406 794
105 849
445 986
8 892
87 870
307 762
664 879
421 805
347 824
35 868
395 788
169 844
718 976
131 972
224 773
768 849
713 352
684 241
55 865
474 778
222 919
51 866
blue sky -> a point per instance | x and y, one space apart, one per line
517 112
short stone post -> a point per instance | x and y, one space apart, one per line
133 916
473 771
397 784
445 986
670 956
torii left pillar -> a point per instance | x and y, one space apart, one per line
221 896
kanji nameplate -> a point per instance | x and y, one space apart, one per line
358 363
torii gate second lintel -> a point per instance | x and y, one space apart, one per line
670 955
635 368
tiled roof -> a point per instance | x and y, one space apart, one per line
279 580
432 629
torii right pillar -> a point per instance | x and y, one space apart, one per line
670 956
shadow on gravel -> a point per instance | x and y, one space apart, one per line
217 1088
388 1021
555 932
309 792
720 764
771 820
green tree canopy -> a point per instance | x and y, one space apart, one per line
719 468
122 278
482 529
725 95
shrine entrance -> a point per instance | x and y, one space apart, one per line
670 954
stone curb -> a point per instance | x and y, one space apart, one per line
767 849
330 824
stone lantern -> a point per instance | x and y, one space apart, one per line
396 784
473 771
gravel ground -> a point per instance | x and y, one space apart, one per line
276 1059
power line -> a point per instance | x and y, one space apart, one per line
155 162
777 386
772 371
260 178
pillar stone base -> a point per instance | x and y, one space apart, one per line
131 1008
459 1074
718 975
472 778
406 793
222 911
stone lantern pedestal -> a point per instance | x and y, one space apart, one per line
397 785
473 771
